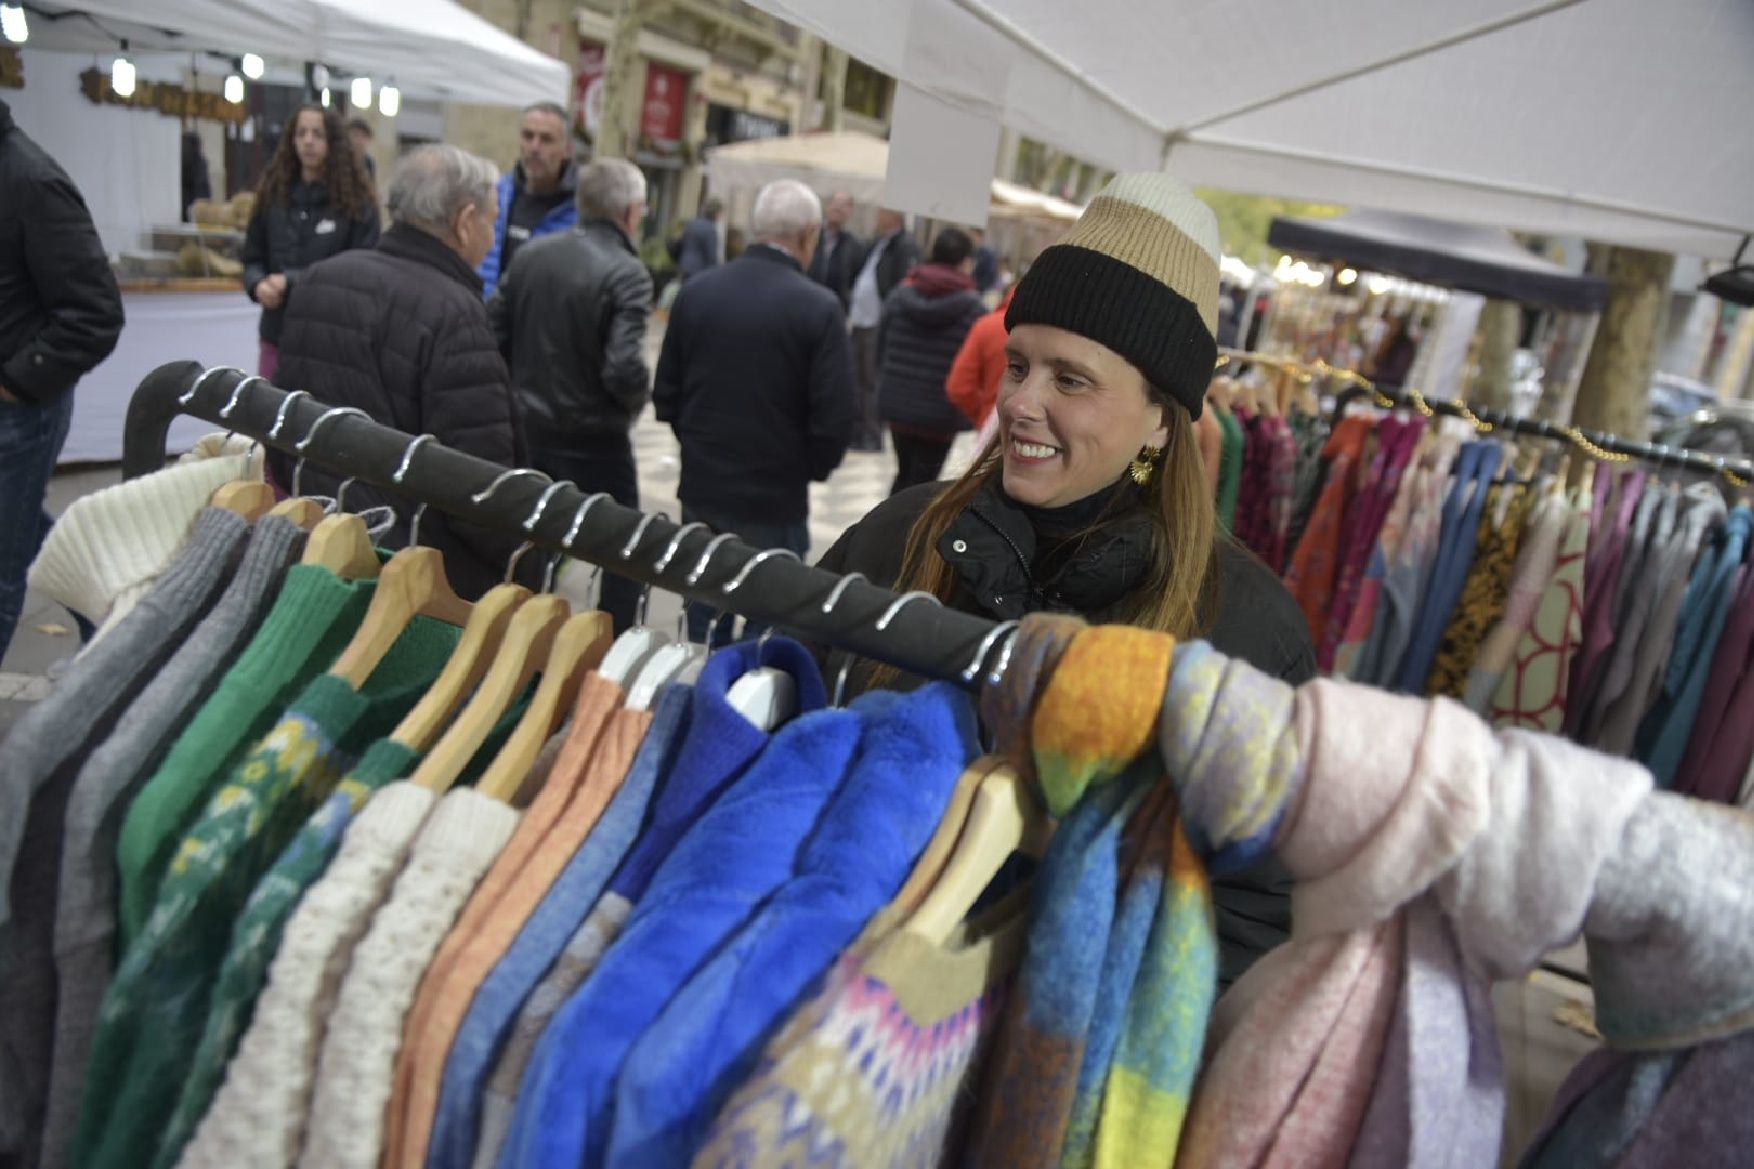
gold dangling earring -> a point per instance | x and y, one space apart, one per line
1142 467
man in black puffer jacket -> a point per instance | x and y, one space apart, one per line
924 322
60 314
400 331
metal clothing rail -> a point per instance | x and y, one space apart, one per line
923 638
1596 444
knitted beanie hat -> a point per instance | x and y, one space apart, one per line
1138 273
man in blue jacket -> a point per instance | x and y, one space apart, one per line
700 247
536 197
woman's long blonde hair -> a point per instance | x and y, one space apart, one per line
1178 595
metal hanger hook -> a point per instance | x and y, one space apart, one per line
280 415
237 394
414 525
414 444
541 507
754 562
675 545
304 444
578 517
840 679
639 533
901 603
512 564
985 647
188 395
486 493
341 495
706 557
834 596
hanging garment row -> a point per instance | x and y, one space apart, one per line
431 885
1616 610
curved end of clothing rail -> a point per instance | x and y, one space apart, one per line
925 639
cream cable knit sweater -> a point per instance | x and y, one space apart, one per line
455 848
258 1116
108 547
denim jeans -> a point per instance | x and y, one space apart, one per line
795 537
30 441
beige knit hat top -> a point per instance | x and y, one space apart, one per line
1139 273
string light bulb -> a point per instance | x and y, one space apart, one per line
13 25
234 89
122 74
253 66
361 93
389 99
325 97
1347 277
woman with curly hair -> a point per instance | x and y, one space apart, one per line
315 200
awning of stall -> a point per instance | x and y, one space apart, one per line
1483 260
429 48
856 163
1619 120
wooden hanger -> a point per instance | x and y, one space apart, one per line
305 512
250 498
578 647
1005 818
522 653
464 668
412 584
930 866
343 545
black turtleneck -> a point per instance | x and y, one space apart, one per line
1062 531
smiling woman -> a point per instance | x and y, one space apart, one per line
1092 497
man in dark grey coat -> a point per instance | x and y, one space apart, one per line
401 332
756 380
60 314
571 316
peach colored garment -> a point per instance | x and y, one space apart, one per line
597 700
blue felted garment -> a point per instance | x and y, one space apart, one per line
501 995
1662 737
709 1036
741 850
1457 541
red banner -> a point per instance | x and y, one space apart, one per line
588 86
666 102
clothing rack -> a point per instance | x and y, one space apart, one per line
914 633
1737 473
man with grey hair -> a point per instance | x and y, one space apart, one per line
756 380
570 315
400 332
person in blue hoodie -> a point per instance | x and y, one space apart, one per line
536 197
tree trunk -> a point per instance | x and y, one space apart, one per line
1614 392
1500 322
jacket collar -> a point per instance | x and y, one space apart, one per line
772 255
6 123
993 545
569 178
608 232
411 243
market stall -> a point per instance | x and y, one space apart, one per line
124 150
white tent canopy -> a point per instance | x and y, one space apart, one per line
852 162
429 48
1621 120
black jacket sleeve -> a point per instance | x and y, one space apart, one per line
499 310
831 397
77 291
667 386
627 309
255 251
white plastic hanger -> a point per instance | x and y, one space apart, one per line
668 663
636 646
765 696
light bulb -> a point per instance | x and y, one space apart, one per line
389 100
320 75
253 66
1379 285
234 89
325 97
122 77
361 95
1347 276
13 25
